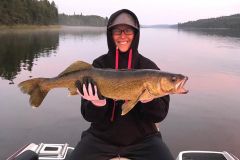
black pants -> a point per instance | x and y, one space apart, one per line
93 148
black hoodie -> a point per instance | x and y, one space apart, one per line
140 121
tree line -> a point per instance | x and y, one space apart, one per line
42 12
81 20
231 22
31 12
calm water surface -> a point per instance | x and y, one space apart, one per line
207 118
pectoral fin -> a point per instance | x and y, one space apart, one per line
73 92
126 107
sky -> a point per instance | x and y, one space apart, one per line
150 12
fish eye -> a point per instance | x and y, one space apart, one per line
174 79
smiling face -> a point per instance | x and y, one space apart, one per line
123 41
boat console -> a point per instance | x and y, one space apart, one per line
62 152
205 155
43 151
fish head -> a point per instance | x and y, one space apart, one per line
173 83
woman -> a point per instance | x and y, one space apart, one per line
134 135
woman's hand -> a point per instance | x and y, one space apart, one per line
88 90
146 101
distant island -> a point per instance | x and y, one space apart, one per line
158 26
229 22
81 20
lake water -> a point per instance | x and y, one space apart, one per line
207 118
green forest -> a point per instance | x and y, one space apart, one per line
81 20
31 12
231 22
42 12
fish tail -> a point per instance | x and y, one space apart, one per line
33 88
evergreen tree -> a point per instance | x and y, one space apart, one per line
232 22
81 20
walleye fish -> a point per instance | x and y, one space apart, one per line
128 84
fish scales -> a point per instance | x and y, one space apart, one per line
108 82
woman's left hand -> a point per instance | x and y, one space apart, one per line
147 100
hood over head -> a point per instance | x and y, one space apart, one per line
123 57
124 18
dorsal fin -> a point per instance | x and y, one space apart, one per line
76 66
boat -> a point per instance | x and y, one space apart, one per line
45 151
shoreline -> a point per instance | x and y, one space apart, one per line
25 26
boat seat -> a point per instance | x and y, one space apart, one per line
27 155
117 158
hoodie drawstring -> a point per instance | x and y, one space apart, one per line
116 67
130 59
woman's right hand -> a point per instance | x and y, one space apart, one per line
88 90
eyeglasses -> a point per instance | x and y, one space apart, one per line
125 31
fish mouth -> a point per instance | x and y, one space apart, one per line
179 87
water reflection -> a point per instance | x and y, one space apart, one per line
213 32
218 49
225 38
19 50
82 32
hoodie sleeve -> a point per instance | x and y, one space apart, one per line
89 111
157 109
